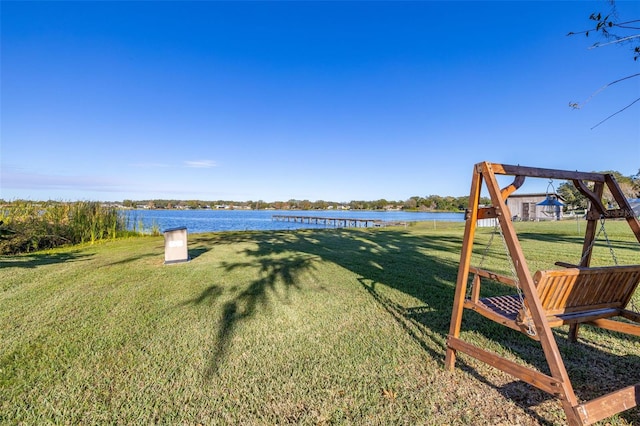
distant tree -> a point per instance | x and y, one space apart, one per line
629 186
320 205
635 179
572 197
411 203
358 205
625 183
636 183
380 204
612 30
305 205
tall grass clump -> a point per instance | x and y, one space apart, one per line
136 225
44 225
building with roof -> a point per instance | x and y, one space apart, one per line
541 206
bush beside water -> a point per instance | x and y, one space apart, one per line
39 226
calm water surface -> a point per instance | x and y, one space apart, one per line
259 220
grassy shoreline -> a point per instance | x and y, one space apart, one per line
306 327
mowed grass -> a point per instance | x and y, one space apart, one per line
301 327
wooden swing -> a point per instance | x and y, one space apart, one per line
571 296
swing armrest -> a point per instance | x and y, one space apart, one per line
503 279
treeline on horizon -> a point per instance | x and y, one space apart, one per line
27 226
416 203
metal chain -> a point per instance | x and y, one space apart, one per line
606 237
484 256
613 255
593 241
531 330
602 230
486 249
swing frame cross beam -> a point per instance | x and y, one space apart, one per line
536 306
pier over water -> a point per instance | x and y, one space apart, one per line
337 222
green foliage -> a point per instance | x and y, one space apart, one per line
635 182
629 185
440 203
38 226
5 233
572 197
429 203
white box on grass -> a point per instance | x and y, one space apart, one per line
175 245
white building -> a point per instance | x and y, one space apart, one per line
526 207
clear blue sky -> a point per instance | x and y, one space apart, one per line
304 100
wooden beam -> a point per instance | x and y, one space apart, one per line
596 200
624 205
486 213
630 315
506 169
463 267
527 285
590 231
610 404
504 279
510 189
613 325
535 378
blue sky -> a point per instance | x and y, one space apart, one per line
303 100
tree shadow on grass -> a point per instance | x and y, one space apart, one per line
577 240
422 266
208 295
131 259
256 295
42 259
280 257
247 301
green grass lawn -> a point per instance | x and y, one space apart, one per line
305 327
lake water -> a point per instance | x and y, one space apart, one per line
258 220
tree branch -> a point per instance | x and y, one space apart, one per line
578 105
615 113
619 40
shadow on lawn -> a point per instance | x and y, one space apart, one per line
600 243
422 266
41 259
281 257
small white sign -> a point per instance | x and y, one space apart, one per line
176 243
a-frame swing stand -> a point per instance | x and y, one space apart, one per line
571 296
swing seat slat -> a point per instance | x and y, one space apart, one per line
579 290
568 296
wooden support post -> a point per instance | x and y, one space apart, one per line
542 329
463 268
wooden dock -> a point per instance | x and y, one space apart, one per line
336 222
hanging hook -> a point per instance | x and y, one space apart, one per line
551 205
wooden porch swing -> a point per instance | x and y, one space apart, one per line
571 296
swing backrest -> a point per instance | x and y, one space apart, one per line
576 290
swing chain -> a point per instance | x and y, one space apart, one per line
603 231
606 237
486 248
527 320
484 256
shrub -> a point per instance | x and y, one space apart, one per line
37 226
